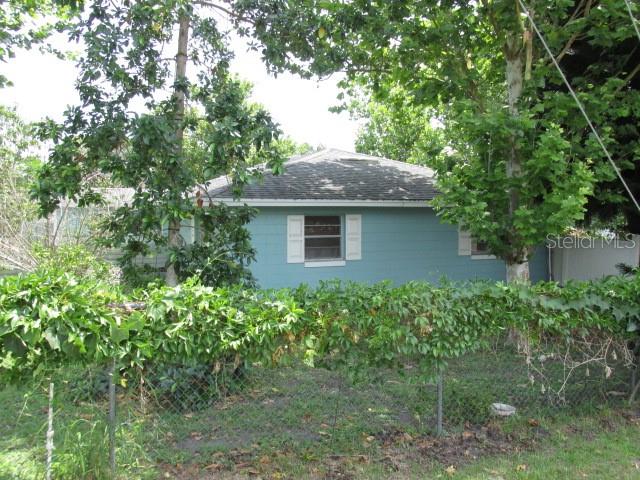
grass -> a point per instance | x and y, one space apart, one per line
312 423
612 453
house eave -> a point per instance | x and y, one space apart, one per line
276 202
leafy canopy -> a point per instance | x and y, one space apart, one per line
131 123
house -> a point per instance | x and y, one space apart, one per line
337 214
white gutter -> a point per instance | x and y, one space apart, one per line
274 202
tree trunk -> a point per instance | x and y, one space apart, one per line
179 97
517 269
517 272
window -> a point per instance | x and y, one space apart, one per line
479 247
322 238
473 247
317 240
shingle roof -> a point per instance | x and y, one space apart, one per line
332 174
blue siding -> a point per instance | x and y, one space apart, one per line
398 244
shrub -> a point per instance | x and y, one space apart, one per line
76 261
51 318
356 324
378 324
223 252
218 326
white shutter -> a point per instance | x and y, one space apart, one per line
353 236
464 242
295 239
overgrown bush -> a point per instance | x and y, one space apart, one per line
77 261
380 324
224 326
221 256
51 318
48 319
353 325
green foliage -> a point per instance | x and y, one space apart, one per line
75 260
24 24
397 129
221 255
224 327
552 187
49 319
355 324
125 64
358 325
287 147
52 318
136 276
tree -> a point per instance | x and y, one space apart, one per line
513 177
288 147
24 24
599 52
397 129
18 160
124 65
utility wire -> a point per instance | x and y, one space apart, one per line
579 103
634 22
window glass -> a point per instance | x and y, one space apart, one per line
479 247
322 237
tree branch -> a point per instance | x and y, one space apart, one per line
576 35
631 74
226 11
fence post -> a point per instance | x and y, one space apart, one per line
439 413
112 419
49 444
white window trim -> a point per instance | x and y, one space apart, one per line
324 263
483 257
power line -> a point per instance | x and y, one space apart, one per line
634 22
579 103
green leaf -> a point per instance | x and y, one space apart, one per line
52 339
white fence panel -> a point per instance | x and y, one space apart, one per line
587 258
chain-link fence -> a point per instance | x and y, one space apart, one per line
177 421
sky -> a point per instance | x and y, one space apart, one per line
44 87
